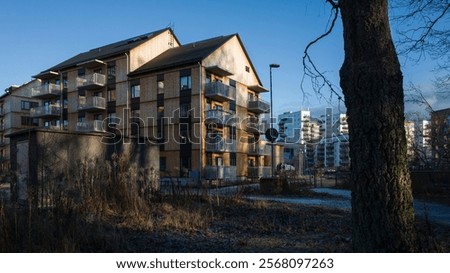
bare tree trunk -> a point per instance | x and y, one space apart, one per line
372 82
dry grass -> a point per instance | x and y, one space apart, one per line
115 215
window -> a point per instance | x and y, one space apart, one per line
232 106
160 87
111 70
135 115
81 72
184 110
233 83
98 117
160 83
247 69
135 91
232 159
64 80
112 95
162 164
27 105
27 121
160 114
232 133
185 82
112 120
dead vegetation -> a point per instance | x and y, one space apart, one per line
114 215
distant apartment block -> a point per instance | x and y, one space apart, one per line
322 141
15 107
440 138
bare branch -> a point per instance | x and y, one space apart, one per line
416 96
318 78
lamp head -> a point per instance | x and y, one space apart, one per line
274 65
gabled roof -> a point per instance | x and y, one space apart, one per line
186 54
106 51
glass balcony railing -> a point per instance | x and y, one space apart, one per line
258 106
91 81
46 91
91 103
220 146
219 91
218 116
220 172
47 111
90 126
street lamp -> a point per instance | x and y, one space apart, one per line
271 118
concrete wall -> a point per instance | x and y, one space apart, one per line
43 161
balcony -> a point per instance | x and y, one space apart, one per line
222 146
91 104
258 149
220 172
46 91
220 92
218 117
254 126
91 81
258 172
47 111
258 106
90 126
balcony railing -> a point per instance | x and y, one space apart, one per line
219 91
258 106
258 172
47 111
220 172
91 81
221 146
258 149
219 117
90 126
254 125
91 103
46 91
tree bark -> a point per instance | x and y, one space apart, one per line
372 83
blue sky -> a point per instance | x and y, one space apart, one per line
36 35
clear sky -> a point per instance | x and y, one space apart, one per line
36 35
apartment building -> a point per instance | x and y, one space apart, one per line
200 102
315 142
206 97
440 138
333 150
15 106
79 93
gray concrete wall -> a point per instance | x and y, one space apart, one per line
45 161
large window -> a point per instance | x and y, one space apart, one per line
135 91
185 82
232 133
232 159
111 70
27 105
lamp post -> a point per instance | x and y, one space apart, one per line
271 118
